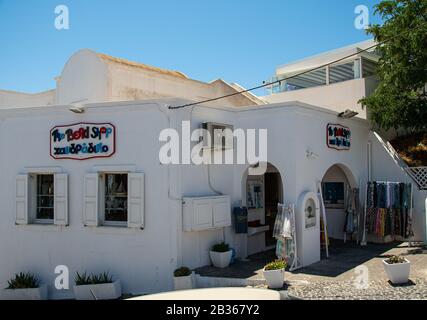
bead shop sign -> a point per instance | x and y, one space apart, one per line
83 141
338 137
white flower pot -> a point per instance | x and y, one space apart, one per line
183 283
274 278
398 273
103 291
221 259
39 293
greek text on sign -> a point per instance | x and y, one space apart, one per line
83 141
338 137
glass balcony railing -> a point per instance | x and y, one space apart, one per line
325 76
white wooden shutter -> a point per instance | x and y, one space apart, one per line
90 205
60 215
221 212
21 199
136 200
202 214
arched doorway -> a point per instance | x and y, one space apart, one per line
338 186
261 195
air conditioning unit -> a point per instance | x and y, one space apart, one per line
219 140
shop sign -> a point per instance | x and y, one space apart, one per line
338 137
83 141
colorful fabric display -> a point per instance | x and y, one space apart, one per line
388 209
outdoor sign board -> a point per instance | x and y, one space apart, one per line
82 141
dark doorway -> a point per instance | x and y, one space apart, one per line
272 182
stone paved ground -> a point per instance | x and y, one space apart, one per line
346 290
334 278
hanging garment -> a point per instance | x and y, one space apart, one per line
381 195
284 232
396 196
278 224
407 188
388 194
349 222
285 249
283 224
353 211
279 249
370 195
287 224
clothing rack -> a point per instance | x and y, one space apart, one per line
389 215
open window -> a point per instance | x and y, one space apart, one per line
114 199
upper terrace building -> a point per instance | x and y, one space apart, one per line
336 86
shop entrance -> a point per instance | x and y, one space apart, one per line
263 194
341 199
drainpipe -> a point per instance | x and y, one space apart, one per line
369 147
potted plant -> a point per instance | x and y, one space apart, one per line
182 279
397 269
221 255
274 274
24 286
96 287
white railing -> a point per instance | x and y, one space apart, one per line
419 174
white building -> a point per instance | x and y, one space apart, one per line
89 77
117 208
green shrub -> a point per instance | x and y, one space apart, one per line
221 247
84 279
23 281
396 259
276 265
182 272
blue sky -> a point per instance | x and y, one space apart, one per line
237 40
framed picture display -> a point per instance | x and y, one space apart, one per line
333 195
254 196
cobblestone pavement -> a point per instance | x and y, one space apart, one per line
416 289
334 278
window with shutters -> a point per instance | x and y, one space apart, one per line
42 198
114 199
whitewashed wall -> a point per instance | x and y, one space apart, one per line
337 97
85 78
293 128
144 260
13 99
